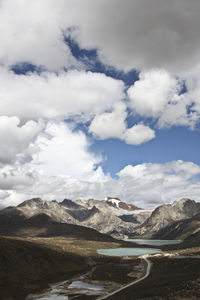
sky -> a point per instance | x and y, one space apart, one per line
100 98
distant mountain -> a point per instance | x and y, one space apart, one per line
112 219
96 214
39 217
165 215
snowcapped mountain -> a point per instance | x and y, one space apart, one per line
105 216
116 202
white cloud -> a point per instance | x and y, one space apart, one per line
151 93
178 114
153 184
3 195
138 134
12 178
16 139
110 124
140 34
62 95
64 151
157 94
113 125
144 34
33 32
146 185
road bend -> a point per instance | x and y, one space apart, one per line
148 270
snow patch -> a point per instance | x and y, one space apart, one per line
114 201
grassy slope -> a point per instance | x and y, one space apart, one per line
27 266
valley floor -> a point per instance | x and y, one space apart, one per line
171 278
28 265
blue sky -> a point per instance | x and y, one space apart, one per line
170 144
93 105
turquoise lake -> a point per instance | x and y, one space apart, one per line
154 242
128 251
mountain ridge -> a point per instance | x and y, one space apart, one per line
167 221
166 214
96 214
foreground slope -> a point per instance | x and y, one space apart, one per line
27 266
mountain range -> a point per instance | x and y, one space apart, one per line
102 216
110 218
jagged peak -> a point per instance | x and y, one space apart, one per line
182 201
29 201
70 204
38 203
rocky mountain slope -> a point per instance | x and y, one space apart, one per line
112 219
180 229
165 215
39 217
96 214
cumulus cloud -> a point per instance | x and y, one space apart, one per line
158 94
63 151
132 39
113 125
51 158
110 124
65 95
138 134
153 184
152 92
17 140
145 185
143 34
36 31
16 178
179 114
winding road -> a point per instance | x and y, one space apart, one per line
131 283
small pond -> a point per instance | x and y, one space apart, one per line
63 290
56 291
84 285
